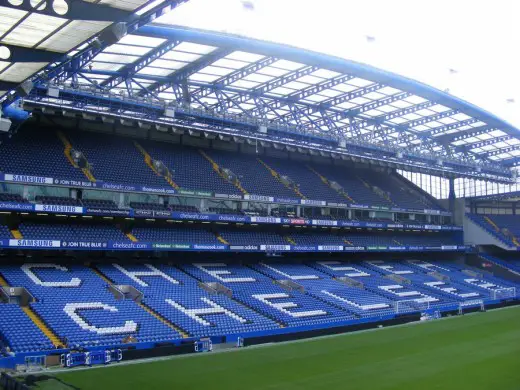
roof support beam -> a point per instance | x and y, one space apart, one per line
25 54
464 134
237 75
184 73
496 152
130 70
78 10
481 143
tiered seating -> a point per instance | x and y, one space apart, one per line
359 301
237 237
72 232
175 235
19 332
176 297
503 227
397 191
223 210
351 184
257 291
317 239
76 305
148 206
5 233
309 184
37 152
100 203
15 198
115 159
58 200
252 175
183 208
192 170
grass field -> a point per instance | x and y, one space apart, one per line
480 351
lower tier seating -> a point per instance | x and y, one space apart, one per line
86 306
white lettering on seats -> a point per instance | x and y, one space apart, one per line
295 277
451 290
134 275
196 314
27 269
394 289
283 306
388 268
216 273
362 307
333 265
72 311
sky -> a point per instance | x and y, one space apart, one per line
469 47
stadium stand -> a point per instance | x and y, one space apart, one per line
121 160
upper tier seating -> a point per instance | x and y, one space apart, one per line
503 227
116 159
37 152
252 175
309 184
191 169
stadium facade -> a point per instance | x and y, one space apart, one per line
163 187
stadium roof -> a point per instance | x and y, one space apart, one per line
308 93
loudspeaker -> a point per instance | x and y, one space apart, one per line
25 88
114 34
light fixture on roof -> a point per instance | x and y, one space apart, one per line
5 53
248 5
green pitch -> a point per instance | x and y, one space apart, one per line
480 351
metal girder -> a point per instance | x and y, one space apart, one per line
73 65
77 10
511 162
430 118
496 152
130 70
475 131
273 84
327 104
481 143
26 54
453 126
317 88
237 75
182 74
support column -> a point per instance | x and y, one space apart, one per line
452 195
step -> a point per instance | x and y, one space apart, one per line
216 168
17 234
165 321
131 237
68 147
35 318
148 160
276 175
221 239
326 181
